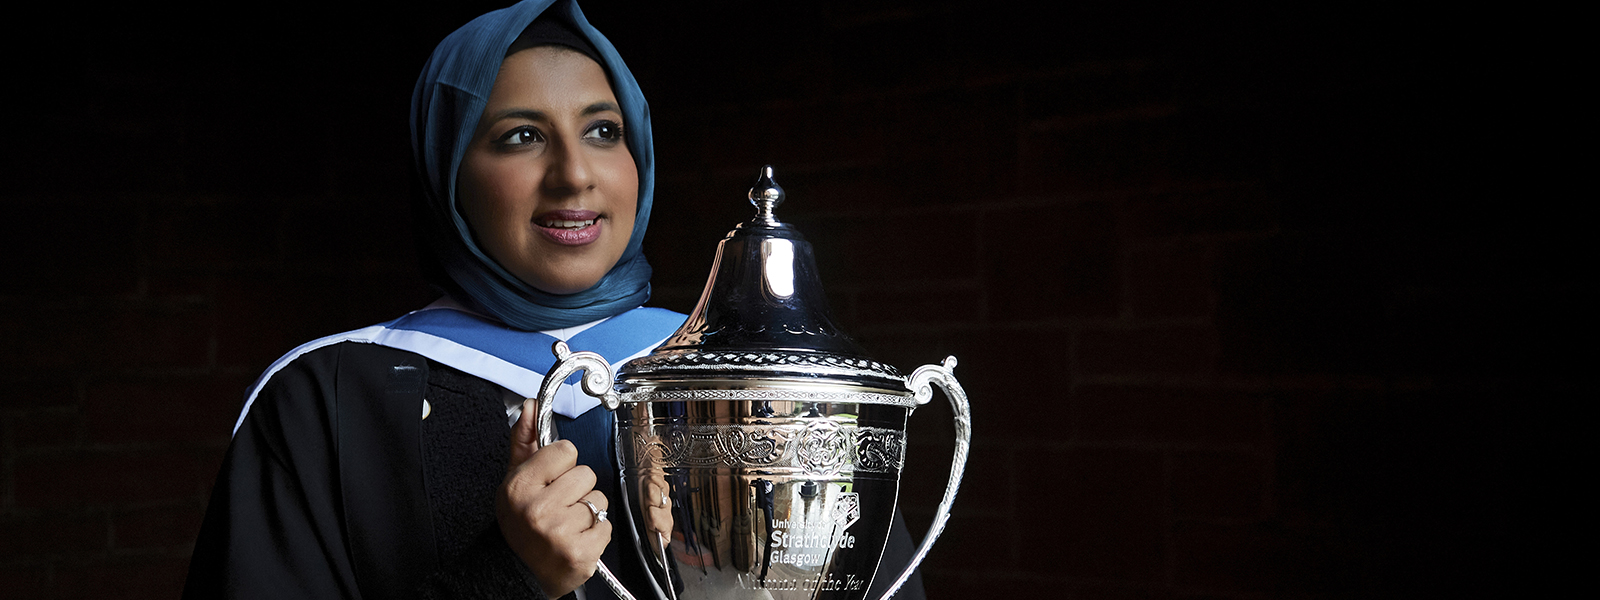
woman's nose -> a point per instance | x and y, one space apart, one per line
569 169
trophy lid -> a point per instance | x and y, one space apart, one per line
763 314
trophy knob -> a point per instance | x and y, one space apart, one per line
766 195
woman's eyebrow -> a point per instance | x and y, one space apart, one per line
520 113
539 115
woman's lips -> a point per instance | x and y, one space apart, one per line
569 227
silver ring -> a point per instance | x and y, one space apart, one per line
599 515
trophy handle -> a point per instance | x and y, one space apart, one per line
921 383
596 382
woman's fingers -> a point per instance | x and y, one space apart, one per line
528 479
594 524
598 499
571 485
543 520
657 506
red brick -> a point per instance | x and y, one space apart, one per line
1140 147
1105 592
1096 513
373 297
878 251
1161 350
837 130
725 137
964 584
171 526
131 578
48 392
1216 485
986 485
105 335
841 188
954 550
1166 415
684 234
45 429
109 478
156 337
953 146
50 337
1170 282
51 533
1052 262
1000 387
902 306
27 581
59 246
360 231
128 410
1089 155
893 50
1205 210
1324 304
180 285
1099 90
1241 558
215 235
260 318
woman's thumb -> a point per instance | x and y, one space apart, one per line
524 435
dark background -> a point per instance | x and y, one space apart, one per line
1251 301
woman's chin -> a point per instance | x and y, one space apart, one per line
561 286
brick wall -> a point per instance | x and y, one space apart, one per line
1233 315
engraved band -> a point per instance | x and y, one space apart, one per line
814 449
766 395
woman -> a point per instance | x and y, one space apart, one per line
533 144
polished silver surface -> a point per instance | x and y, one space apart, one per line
761 448
766 194
763 313
792 504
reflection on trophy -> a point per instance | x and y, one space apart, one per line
761 448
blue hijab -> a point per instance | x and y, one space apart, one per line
445 108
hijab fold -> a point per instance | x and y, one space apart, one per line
445 107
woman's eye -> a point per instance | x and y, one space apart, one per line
605 130
521 136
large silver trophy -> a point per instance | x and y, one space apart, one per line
760 448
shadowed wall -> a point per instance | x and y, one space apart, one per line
1236 315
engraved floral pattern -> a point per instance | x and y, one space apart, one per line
814 449
769 396
824 448
880 450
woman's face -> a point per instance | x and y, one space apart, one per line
548 185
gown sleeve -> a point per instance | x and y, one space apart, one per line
321 495
274 527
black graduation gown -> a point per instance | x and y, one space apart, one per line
334 488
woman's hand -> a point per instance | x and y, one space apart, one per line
657 504
539 510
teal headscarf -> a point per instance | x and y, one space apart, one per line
445 108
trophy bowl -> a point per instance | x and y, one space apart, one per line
760 448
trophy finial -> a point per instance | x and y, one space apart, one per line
766 195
